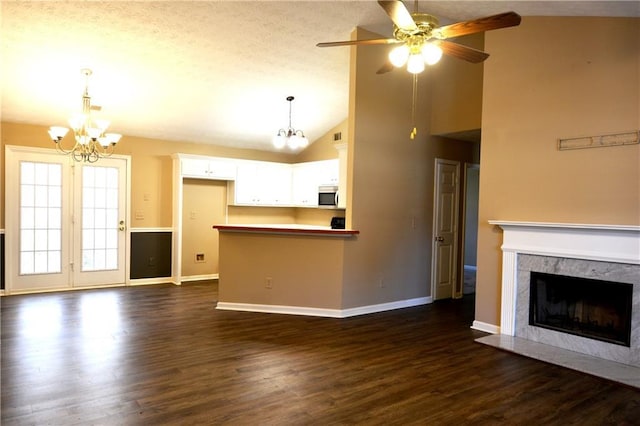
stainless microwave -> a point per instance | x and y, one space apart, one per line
328 196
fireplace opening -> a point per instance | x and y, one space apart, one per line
594 309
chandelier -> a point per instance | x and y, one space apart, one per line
91 141
290 137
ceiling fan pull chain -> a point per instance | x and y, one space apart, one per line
414 102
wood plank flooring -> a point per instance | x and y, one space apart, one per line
163 354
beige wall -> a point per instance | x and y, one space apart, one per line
323 148
203 204
555 78
458 92
390 181
305 271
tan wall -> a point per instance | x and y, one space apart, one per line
555 78
323 148
458 92
305 271
390 182
204 204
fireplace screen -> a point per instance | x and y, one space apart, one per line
589 308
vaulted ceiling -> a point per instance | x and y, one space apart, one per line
207 71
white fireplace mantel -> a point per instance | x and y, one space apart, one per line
608 243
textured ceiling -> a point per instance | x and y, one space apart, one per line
207 71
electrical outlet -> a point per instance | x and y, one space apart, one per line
152 261
381 282
199 257
268 282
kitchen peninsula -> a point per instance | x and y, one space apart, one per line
293 269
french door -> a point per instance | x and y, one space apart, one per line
66 221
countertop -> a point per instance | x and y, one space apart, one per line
287 228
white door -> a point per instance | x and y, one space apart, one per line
60 221
99 222
445 229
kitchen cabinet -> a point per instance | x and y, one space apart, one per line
260 183
208 168
305 185
307 177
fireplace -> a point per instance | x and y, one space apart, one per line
608 254
595 309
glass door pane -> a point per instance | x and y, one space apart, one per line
40 218
99 218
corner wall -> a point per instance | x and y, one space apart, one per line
390 182
550 78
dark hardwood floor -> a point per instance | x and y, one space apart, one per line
164 355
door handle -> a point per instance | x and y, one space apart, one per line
439 239
121 226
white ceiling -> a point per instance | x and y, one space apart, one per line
207 71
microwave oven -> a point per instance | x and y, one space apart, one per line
328 196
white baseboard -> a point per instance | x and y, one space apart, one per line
199 277
487 328
371 309
323 312
150 281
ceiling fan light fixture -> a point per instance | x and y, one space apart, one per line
431 53
399 55
415 63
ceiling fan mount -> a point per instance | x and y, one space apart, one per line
425 24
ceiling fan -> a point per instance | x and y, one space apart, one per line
422 41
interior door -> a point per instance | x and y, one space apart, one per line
65 221
445 229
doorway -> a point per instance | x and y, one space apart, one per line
445 229
471 182
66 221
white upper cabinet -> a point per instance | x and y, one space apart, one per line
307 177
260 183
208 168
305 185
264 183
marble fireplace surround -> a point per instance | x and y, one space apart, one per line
607 252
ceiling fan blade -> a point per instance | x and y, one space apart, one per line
462 52
359 42
399 15
387 67
503 20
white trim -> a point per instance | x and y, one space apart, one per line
485 327
200 277
322 312
1 231
150 281
55 290
151 229
609 243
